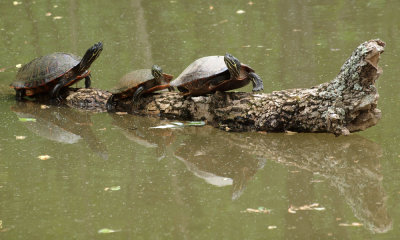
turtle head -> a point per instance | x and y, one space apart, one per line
91 54
157 72
233 65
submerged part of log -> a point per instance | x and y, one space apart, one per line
346 104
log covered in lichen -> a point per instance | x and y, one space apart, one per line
345 104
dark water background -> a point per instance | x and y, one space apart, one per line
196 182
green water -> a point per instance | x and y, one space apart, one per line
118 172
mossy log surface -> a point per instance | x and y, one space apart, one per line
345 104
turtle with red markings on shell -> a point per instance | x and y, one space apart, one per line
135 84
52 72
216 73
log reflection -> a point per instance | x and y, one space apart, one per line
350 164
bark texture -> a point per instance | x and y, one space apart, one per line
345 104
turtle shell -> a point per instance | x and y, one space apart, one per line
202 68
43 70
142 77
209 74
131 81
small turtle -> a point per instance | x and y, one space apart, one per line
216 73
52 72
139 82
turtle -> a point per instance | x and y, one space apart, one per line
135 84
52 72
215 73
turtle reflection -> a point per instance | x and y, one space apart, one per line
137 129
349 164
210 162
60 124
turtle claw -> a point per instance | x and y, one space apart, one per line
258 88
136 103
111 106
171 89
56 101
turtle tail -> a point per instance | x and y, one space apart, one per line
89 57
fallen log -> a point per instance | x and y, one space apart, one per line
346 104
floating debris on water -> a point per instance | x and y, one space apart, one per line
113 188
57 17
44 106
18 65
27 119
196 123
44 157
15 3
48 14
121 113
220 22
354 224
180 124
20 137
272 227
240 11
314 206
316 181
290 133
258 210
165 126
107 230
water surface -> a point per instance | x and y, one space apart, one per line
118 172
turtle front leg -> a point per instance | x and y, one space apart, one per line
257 82
19 94
88 82
137 93
55 93
111 104
136 96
